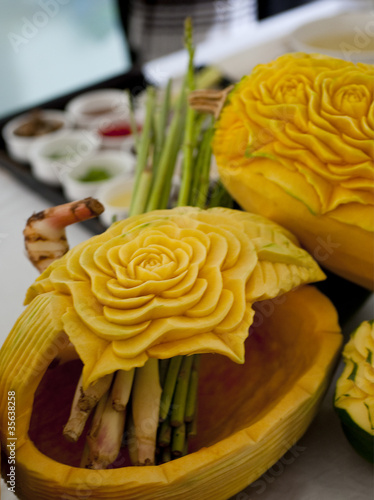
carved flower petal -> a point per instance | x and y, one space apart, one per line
305 122
157 307
90 312
175 329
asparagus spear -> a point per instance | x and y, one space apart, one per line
168 156
164 435
181 390
160 126
142 193
144 144
151 192
179 441
133 124
169 387
191 427
191 399
163 365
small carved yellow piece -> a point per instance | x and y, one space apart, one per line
354 395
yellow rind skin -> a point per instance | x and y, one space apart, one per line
295 143
346 250
305 321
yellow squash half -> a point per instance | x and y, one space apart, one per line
250 412
295 143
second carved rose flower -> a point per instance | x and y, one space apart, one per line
312 117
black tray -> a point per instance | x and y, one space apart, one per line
133 80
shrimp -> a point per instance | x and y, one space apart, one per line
45 241
45 238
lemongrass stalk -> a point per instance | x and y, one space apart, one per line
178 440
94 392
165 168
169 386
95 425
122 389
189 135
77 418
144 143
99 410
191 399
145 410
105 442
161 126
180 395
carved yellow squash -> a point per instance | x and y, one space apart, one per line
295 143
172 282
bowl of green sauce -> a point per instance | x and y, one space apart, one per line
92 173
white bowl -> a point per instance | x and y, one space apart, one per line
122 142
98 108
116 198
19 147
52 158
115 163
348 36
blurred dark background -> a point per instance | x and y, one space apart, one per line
154 27
266 8
50 48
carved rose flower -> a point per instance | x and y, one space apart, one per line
172 282
306 122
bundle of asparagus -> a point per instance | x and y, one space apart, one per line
157 403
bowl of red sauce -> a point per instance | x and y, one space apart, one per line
119 135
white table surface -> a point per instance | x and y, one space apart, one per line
322 466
